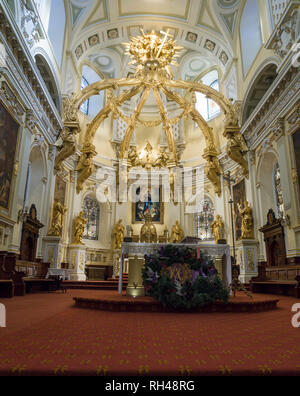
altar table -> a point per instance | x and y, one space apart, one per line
63 273
217 252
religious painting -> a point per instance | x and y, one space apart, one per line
296 144
9 132
239 197
148 201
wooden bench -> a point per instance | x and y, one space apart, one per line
33 285
283 280
8 272
7 288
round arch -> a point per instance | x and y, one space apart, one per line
48 75
265 173
259 85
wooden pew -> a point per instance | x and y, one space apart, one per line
283 280
8 272
35 276
7 288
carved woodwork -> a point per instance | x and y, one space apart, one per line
30 235
8 272
275 242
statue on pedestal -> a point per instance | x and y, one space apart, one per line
79 226
118 232
148 231
177 233
247 221
217 228
57 219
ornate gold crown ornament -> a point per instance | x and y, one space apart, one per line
154 54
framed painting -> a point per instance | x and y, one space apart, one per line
9 134
239 197
148 200
296 145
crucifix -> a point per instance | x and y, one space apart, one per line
166 35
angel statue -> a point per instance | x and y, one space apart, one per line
67 141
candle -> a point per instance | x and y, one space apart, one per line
198 252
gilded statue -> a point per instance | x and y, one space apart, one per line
177 233
148 231
173 181
57 219
118 234
235 150
162 159
213 171
247 221
85 165
133 157
68 147
79 226
217 228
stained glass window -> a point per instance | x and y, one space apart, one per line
92 214
203 221
279 205
85 106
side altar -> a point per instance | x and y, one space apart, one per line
135 253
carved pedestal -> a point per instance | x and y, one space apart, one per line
53 251
247 254
135 286
77 260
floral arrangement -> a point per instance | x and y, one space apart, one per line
182 278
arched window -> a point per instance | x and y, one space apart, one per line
250 34
207 107
91 210
279 205
203 221
94 104
85 106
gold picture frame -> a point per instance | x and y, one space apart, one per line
10 139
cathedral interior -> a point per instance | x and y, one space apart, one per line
134 124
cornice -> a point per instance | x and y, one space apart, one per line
19 50
276 104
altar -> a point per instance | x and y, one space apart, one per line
137 251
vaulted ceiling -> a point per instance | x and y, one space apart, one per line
204 26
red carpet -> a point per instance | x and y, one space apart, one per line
46 335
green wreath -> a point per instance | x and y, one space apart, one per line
178 279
